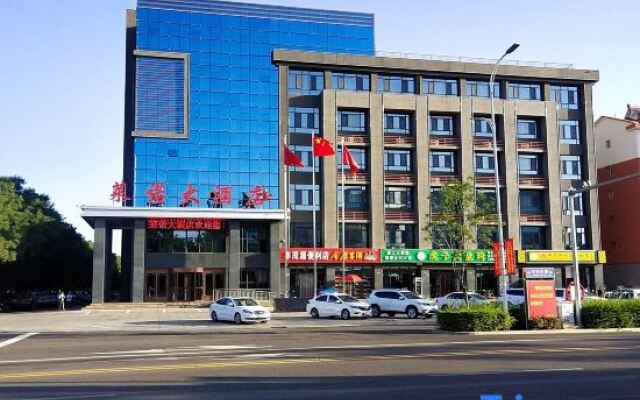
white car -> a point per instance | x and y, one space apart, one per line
338 305
456 299
515 296
392 301
238 310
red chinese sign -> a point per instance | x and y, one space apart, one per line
119 192
257 196
187 196
509 255
184 223
220 195
541 299
155 194
330 256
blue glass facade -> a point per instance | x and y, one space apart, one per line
233 136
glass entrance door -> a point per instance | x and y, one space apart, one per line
156 286
187 286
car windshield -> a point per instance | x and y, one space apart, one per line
246 302
348 299
410 295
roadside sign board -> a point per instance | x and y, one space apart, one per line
541 298
539 273
436 256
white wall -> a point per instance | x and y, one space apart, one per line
625 145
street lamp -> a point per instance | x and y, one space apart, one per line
503 268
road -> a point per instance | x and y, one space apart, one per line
368 362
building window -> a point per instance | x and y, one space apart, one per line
443 87
254 278
360 156
399 236
435 200
352 121
524 91
302 235
442 161
565 96
347 81
441 125
532 202
578 206
398 198
486 235
486 200
357 198
304 152
569 132
305 82
482 127
529 164
533 237
581 238
528 129
356 235
571 167
160 99
481 89
253 239
441 239
484 163
397 124
396 84
304 120
167 241
301 197
397 161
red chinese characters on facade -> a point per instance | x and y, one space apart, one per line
187 196
184 223
258 195
155 194
220 195
119 192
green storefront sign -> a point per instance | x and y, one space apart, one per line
436 256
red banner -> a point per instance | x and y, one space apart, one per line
497 269
541 299
330 256
510 257
184 223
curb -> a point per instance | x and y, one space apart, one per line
543 331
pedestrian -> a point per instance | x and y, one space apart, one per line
60 300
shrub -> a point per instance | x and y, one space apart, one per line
521 322
476 318
545 323
611 313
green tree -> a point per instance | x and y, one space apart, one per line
464 218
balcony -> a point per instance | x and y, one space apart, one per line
354 139
533 181
541 219
399 177
354 215
439 180
486 143
532 145
399 139
444 142
404 215
488 180
358 177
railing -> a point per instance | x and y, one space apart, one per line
443 179
479 60
486 143
533 181
354 215
358 177
488 180
531 145
355 139
263 296
399 139
444 142
407 177
534 218
400 215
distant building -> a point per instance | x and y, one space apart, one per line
618 144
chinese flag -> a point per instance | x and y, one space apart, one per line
322 147
291 159
348 159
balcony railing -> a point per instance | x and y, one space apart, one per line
529 218
436 141
358 177
531 145
533 181
354 215
486 143
399 139
442 179
488 180
407 215
399 177
355 139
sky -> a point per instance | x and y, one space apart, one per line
62 71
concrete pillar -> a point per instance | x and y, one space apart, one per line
510 172
329 173
233 250
554 199
470 278
126 261
137 267
373 84
330 276
376 155
421 163
425 285
275 282
466 157
101 261
593 216
378 278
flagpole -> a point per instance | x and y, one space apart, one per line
344 203
286 226
313 195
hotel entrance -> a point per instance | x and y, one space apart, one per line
183 285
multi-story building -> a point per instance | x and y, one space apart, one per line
618 156
212 90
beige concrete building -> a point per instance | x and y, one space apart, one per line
415 124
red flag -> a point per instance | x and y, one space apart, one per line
348 159
322 147
291 159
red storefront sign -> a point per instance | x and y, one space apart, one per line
184 223
509 255
541 299
330 256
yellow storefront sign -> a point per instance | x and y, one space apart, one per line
560 256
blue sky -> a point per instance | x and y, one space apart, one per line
62 71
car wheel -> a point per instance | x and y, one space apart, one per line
314 313
237 319
391 314
214 316
412 312
345 314
375 311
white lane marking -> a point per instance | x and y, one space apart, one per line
548 370
181 349
88 396
17 339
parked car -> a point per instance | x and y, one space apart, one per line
338 305
238 310
629 293
392 301
515 296
456 299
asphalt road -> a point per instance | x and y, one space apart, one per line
388 362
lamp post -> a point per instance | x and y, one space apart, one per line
494 131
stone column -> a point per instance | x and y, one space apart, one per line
510 172
471 278
139 252
330 276
554 196
101 261
376 156
378 278
425 286
275 283
126 259
421 162
233 251
329 174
